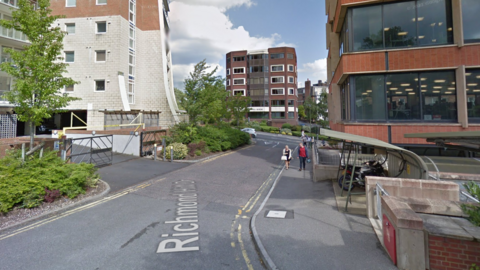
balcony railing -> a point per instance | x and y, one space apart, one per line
12 33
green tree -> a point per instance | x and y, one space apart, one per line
301 111
36 70
179 96
310 108
322 110
205 95
238 107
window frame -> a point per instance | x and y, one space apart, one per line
293 91
66 3
104 85
293 68
66 86
74 28
96 27
228 82
283 91
96 56
239 90
101 4
272 77
243 68
228 72
293 79
279 65
244 81
65 56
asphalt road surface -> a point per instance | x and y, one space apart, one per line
196 217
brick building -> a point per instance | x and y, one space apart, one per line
269 78
118 50
399 67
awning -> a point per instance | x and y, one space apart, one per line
407 163
463 140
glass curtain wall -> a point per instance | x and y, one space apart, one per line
369 97
471 29
439 96
403 100
399 25
473 94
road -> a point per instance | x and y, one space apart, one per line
196 217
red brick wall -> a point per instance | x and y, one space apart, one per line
449 254
89 8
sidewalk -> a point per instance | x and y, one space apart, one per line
314 234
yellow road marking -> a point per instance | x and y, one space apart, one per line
239 211
242 247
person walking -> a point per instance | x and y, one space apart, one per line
288 154
309 141
302 155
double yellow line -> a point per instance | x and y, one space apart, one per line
76 210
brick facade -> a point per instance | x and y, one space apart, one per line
451 254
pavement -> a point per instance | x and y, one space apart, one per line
313 234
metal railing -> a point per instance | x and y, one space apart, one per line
466 194
96 150
379 191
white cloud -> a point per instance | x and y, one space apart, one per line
201 30
314 71
183 71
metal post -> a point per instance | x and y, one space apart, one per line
342 156
155 152
164 147
351 179
91 149
346 166
23 152
171 153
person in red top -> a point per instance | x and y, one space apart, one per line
302 155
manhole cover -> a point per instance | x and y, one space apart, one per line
276 214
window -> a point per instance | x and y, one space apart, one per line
290 55
470 11
99 85
260 80
258 56
291 91
291 115
69 88
70 28
239 70
238 58
277 68
258 115
277 56
71 3
239 92
5 55
228 71
101 27
238 81
439 96
370 97
278 79
101 2
101 56
397 25
131 92
278 103
277 115
228 60
259 103
255 69
473 94
291 103
258 92
291 79
291 68
278 91
403 102
69 57
228 82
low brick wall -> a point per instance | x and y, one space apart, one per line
448 253
16 143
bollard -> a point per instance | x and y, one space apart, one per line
171 153
155 152
164 147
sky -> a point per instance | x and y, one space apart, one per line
209 29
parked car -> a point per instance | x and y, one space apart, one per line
250 131
46 128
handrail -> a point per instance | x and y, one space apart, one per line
470 196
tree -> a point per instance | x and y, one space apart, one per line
301 111
310 108
36 70
238 107
179 96
322 110
205 95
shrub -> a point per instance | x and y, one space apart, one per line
179 151
272 131
285 130
253 124
198 152
263 123
192 148
289 134
283 133
287 125
306 128
473 211
29 184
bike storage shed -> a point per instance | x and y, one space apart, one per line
398 162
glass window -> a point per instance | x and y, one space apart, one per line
344 96
238 70
238 81
258 115
291 80
238 58
277 56
259 92
101 27
69 57
277 79
433 23
101 56
473 94
5 31
278 103
256 56
291 103
291 91
69 88
70 28
367 28
290 55
228 82
398 24
228 60
291 68
439 98
277 68
254 69
228 71
278 91
239 92
71 3
99 85
403 99
259 103
101 2
470 11
370 97
277 115
291 115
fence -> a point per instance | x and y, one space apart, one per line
8 126
148 139
97 150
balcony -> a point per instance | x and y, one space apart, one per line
3 101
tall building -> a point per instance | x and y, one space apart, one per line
269 78
312 90
400 67
118 50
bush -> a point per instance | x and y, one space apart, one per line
29 184
289 134
285 130
253 124
287 125
198 152
473 211
263 123
179 151
306 128
283 133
